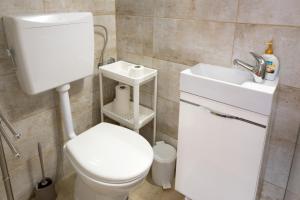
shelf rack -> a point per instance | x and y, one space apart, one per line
139 115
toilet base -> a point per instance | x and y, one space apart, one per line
83 192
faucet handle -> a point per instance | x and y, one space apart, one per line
260 60
260 68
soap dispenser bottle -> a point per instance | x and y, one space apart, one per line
272 62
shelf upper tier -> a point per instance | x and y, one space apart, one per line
128 73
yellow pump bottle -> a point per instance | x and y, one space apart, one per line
272 61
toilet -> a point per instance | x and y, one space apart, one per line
51 51
110 161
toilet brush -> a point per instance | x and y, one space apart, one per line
44 190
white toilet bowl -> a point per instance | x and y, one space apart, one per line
110 161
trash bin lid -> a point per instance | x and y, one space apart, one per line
164 152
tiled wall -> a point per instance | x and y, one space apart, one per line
171 35
37 117
293 189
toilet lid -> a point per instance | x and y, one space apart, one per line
110 153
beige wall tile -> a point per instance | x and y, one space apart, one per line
2 46
146 98
225 10
199 9
271 192
86 113
287 115
167 117
42 127
134 34
67 167
270 12
68 5
294 181
15 104
65 188
83 89
104 7
175 8
98 7
133 7
10 7
2 191
286 47
109 21
168 78
57 5
280 157
291 196
135 58
190 42
6 66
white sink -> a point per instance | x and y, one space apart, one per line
231 86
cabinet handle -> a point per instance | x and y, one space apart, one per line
237 118
188 102
225 115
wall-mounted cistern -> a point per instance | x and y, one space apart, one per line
258 70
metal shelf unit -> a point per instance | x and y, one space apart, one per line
139 115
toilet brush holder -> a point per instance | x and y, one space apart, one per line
45 189
45 192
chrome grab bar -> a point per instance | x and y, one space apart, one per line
5 136
3 163
10 127
8 141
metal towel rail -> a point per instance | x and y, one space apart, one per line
3 163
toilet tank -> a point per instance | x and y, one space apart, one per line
51 50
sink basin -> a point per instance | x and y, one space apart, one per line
231 86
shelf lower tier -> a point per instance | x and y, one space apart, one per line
145 116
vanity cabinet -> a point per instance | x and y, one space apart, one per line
220 150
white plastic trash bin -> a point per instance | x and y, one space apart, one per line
164 164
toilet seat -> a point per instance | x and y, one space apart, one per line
110 154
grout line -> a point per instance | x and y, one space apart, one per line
235 31
292 164
44 6
37 113
164 98
106 14
216 21
153 31
237 11
274 184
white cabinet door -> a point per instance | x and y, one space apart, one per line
219 158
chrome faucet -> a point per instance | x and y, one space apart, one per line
258 71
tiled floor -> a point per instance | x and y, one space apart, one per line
146 191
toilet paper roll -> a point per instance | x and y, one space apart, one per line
136 70
122 100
